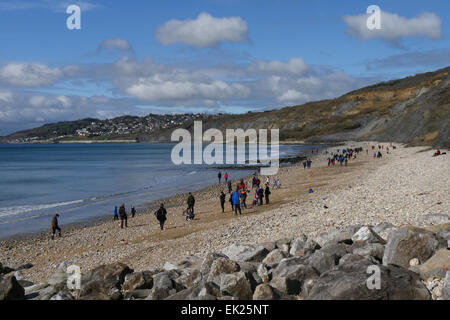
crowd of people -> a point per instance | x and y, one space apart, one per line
342 156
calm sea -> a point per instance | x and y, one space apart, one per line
84 181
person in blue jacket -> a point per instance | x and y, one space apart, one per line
116 214
260 195
236 202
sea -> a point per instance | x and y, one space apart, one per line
83 182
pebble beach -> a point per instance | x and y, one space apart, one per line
405 187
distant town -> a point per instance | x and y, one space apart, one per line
127 128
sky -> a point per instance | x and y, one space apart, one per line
230 56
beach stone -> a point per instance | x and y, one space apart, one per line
209 289
382 227
297 247
350 257
189 277
337 236
407 243
192 262
290 279
222 266
168 266
208 260
162 281
444 233
349 282
138 280
311 246
62 295
436 218
323 261
64 265
263 273
104 282
246 253
32 292
367 234
274 257
269 245
25 283
338 249
375 250
446 288
46 293
265 292
59 280
414 262
236 285
436 266
137 294
10 289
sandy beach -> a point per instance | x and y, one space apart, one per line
407 186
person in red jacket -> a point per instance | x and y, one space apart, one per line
226 177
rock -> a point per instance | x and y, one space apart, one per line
337 236
291 279
310 246
207 262
338 249
104 282
19 276
297 247
160 293
10 289
168 266
349 282
444 233
323 261
6 270
138 280
64 265
32 292
270 246
25 283
274 257
62 295
436 218
407 243
283 241
59 280
265 292
162 281
220 267
209 289
375 250
367 234
137 294
446 288
47 293
435 287
246 253
383 226
414 262
236 285
191 262
436 266
351 257
263 273
189 277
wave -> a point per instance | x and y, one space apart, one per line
10 211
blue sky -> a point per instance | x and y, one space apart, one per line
137 57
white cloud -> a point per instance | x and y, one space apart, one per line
29 74
204 31
293 66
112 44
292 96
395 27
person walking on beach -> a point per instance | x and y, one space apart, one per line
243 197
267 193
219 175
55 226
161 216
260 195
229 187
222 200
226 177
279 183
231 202
133 211
123 216
190 203
304 165
236 202
116 214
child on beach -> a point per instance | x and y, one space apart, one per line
116 214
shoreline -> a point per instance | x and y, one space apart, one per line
292 210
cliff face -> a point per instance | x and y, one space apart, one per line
413 110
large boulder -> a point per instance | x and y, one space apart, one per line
265 292
375 250
138 280
436 266
220 267
338 236
104 282
298 247
367 234
208 261
323 261
291 279
407 243
246 253
446 288
236 285
274 257
349 281
10 289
